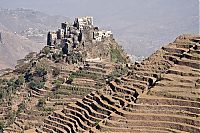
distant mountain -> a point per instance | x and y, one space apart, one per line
23 31
15 47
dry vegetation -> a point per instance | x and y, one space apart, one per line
161 94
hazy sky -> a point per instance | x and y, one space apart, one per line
138 24
99 8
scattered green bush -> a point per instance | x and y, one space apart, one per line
41 103
56 72
85 74
28 76
11 117
1 127
70 80
46 50
40 72
116 56
20 81
36 84
57 83
117 80
21 108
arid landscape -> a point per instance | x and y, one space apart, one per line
48 92
139 26
71 75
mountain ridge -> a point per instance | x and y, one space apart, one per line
28 30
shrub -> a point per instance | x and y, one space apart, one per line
70 80
116 55
1 95
48 109
46 50
11 117
28 76
62 80
21 107
117 80
55 56
20 81
11 85
56 72
36 84
41 72
57 83
41 103
117 72
1 127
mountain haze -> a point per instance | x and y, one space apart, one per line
141 26
23 31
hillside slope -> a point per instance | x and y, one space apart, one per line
51 79
161 94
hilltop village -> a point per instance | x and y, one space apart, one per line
79 58
71 35
82 81
80 37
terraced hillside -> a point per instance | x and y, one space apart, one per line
161 94
57 92
51 79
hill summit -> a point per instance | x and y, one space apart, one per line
79 58
82 81
81 41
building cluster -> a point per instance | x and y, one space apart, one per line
69 36
98 35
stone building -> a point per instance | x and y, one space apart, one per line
61 33
98 35
66 46
83 22
69 36
51 38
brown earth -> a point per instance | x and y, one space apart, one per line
40 85
161 94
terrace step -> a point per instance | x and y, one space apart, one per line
171 49
182 110
68 125
86 114
183 71
161 117
66 118
153 100
104 104
131 81
117 88
81 119
134 124
139 129
54 128
103 112
45 130
59 126
94 113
